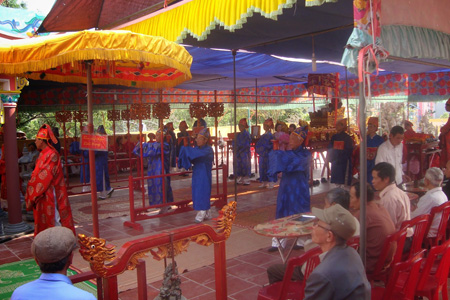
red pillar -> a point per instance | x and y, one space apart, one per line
15 223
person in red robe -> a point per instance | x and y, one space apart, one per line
46 191
444 139
409 131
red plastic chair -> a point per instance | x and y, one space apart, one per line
432 284
390 255
420 225
403 280
353 242
441 235
288 289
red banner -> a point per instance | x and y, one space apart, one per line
94 142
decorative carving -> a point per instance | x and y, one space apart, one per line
94 250
80 116
170 289
202 239
125 114
113 115
21 83
140 111
165 251
10 98
215 110
226 218
161 110
198 110
134 260
63 116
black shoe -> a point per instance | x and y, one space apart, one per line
272 249
323 180
297 247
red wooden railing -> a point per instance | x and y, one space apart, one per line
141 213
168 244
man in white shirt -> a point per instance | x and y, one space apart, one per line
391 152
395 201
433 197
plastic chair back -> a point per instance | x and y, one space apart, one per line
430 284
444 210
390 255
420 224
288 289
353 242
406 289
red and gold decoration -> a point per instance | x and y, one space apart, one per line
161 110
63 116
106 262
326 119
198 110
140 111
215 110
125 115
80 116
113 115
323 84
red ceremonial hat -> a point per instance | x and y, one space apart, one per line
373 121
243 122
46 133
409 123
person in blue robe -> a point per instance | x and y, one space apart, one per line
183 140
152 151
101 170
201 157
263 147
85 177
339 155
293 193
173 145
242 167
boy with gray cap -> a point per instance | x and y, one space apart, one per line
53 251
341 274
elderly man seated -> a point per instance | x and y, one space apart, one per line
433 197
341 273
337 196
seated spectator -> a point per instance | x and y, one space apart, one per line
433 197
378 224
395 200
341 273
446 184
335 196
53 251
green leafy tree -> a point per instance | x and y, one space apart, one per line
14 4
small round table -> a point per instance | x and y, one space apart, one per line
294 226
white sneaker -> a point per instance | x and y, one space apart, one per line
246 180
208 215
164 210
271 185
200 216
86 188
264 184
239 180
